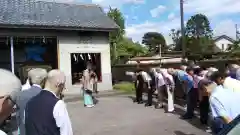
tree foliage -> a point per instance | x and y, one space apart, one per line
153 40
118 18
120 46
199 34
176 38
198 26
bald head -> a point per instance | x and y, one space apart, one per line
56 77
55 81
9 83
37 76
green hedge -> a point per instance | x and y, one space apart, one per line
125 87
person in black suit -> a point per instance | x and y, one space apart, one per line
139 86
152 87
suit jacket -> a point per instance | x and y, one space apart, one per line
21 100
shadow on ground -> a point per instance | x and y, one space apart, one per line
179 111
181 133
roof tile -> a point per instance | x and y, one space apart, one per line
33 13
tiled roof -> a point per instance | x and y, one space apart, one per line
39 14
223 37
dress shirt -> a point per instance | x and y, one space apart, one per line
146 77
160 80
36 85
238 74
232 84
61 117
224 102
2 133
26 86
196 80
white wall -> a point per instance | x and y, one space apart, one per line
223 42
76 44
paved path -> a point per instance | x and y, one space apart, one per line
119 116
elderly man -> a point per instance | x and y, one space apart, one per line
46 114
160 85
223 103
10 86
170 86
152 75
37 78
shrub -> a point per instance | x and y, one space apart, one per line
124 86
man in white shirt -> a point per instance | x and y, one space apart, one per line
10 85
223 103
45 113
160 85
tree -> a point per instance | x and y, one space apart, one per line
153 40
199 26
116 36
118 18
120 46
199 34
176 37
127 49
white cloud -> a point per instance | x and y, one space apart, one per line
212 7
61 1
171 16
137 31
116 3
225 27
157 11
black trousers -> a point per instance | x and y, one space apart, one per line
204 110
150 94
217 124
139 92
192 97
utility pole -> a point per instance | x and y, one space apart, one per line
237 32
182 30
160 54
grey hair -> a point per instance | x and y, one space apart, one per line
9 83
209 74
183 67
37 75
56 77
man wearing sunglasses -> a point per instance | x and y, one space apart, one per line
10 85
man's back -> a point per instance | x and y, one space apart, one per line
39 117
225 99
21 101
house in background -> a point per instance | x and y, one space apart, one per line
56 35
222 43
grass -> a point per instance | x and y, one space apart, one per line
127 87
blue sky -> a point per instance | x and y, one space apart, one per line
163 15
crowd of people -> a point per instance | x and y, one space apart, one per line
214 91
39 109
39 105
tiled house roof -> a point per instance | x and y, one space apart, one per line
51 15
223 37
